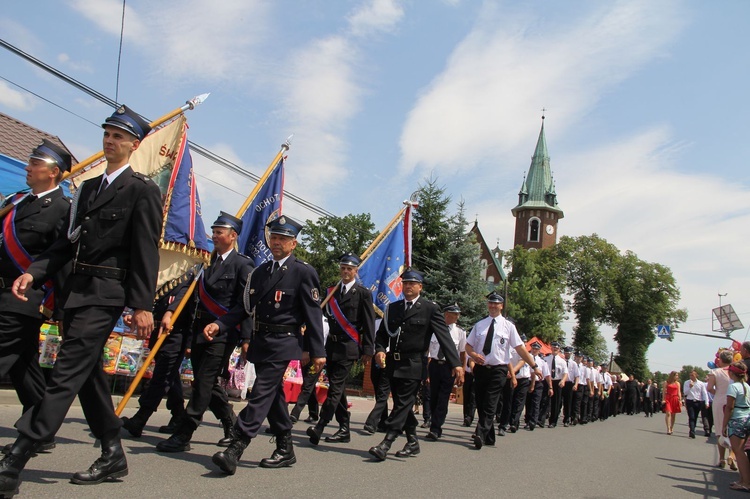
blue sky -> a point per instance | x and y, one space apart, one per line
646 113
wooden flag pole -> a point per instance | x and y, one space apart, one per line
191 104
157 345
284 148
370 249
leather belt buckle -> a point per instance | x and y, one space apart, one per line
396 356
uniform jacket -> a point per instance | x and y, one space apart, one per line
418 324
38 225
225 283
357 306
295 287
119 228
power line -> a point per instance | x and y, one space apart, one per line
194 146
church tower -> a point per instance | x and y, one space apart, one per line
537 212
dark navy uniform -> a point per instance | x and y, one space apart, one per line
284 297
37 222
113 241
218 290
407 334
351 320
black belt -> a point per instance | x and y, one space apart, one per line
204 314
438 361
498 366
7 282
262 327
338 339
99 270
403 355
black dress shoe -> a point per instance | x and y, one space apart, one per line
513 429
432 436
426 424
315 432
39 446
477 441
369 429
294 418
467 422
110 466
179 442
501 431
311 419
380 451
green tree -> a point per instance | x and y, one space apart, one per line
456 277
589 263
430 227
536 285
326 239
644 296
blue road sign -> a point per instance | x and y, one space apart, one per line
663 331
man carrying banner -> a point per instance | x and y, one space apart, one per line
219 289
351 319
36 220
405 331
283 294
113 237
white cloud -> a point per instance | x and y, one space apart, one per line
375 16
14 99
189 38
508 68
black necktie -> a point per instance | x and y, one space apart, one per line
275 267
343 289
27 200
408 305
553 365
488 340
103 186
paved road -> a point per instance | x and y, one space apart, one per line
625 457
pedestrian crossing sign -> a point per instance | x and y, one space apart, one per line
663 331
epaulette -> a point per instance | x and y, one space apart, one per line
243 256
141 176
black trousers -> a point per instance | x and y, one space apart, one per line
470 401
336 402
441 386
77 371
519 400
208 359
577 396
382 385
585 404
555 402
404 392
504 405
424 393
488 383
648 406
567 398
19 356
266 400
533 401
166 376
694 409
544 405
307 395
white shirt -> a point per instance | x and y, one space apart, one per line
113 176
695 390
347 286
504 338
525 371
583 374
572 370
458 336
561 366
607 381
593 375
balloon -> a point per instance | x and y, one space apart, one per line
711 365
737 357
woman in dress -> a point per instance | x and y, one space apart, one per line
737 421
718 382
673 400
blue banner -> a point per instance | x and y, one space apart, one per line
265 206
381 270
184 223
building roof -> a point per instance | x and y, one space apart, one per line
17 139
538 187
495 256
